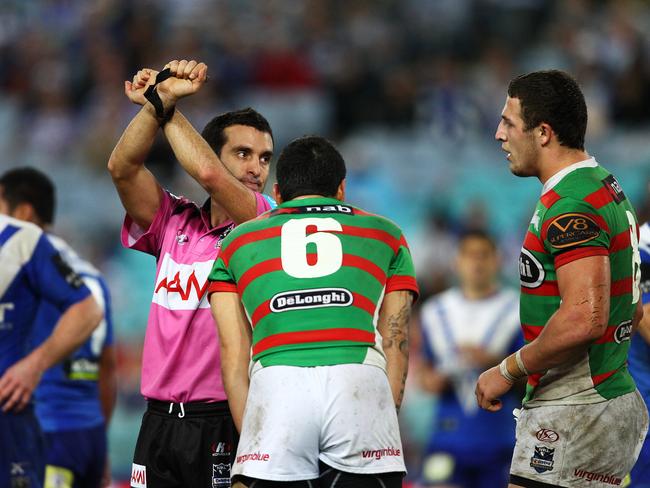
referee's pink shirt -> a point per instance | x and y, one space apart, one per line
180 361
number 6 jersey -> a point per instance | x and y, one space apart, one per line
311 275
582 212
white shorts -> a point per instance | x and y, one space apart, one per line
343 415
594 445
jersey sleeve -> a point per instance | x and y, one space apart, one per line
644 250
401 273
150 240
53 278
572 229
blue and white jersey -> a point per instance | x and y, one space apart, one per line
639 354
68 396
31 271
449 322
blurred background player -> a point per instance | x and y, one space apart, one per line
75 399
181 378
582 419
32 271
328 288
639 357
465 330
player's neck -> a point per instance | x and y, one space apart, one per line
557 160
302 197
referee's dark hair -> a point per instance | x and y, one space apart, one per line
309 165
214 131
29 185
553 97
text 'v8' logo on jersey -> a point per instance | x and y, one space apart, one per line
572 229
531 271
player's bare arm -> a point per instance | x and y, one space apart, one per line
137 187
72 330
193 153
584 286
581 319
393 325
235 339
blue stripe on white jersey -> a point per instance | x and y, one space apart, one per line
68 395
7 232
31 271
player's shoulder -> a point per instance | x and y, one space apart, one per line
76 262
253 225
379 221
593 185
14 225
19 235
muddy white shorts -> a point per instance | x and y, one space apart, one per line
343 415
594 445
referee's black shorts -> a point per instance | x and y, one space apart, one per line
185 445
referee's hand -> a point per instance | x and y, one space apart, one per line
135 89
187 78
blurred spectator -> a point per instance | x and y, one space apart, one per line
464 330
432 252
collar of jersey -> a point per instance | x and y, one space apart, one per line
303 202
205 211
557 177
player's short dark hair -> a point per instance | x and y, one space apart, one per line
29 185
214 131
309 165
553 97
479 234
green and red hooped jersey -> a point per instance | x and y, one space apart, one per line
582 212
311 275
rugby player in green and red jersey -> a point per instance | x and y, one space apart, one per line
326 290
583 420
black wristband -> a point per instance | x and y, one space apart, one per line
151 94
